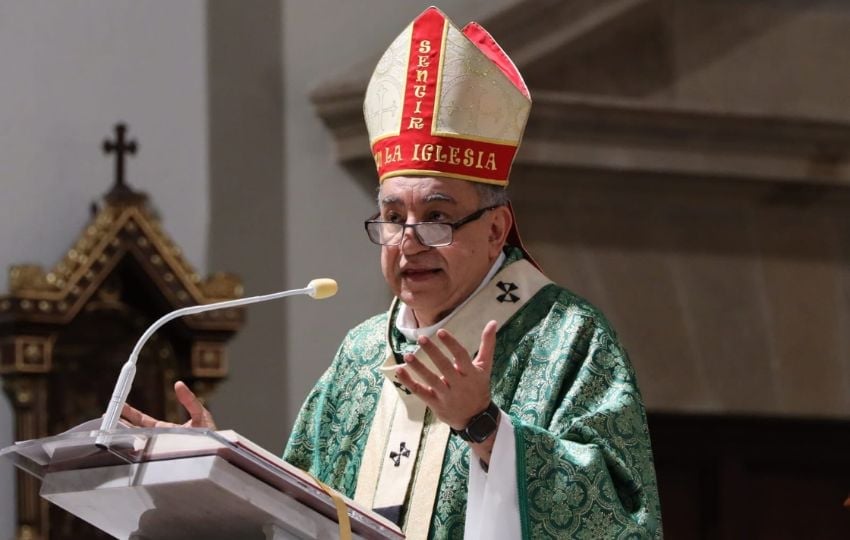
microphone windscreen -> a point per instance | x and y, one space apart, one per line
322 288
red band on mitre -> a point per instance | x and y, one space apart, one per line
422 153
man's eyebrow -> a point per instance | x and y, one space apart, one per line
390 199
441 197
431 197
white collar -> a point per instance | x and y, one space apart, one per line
405 321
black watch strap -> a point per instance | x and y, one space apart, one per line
481 426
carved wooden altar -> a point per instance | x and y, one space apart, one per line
65 333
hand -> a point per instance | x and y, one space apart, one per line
461 389
199 416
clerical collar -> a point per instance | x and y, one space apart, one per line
405 321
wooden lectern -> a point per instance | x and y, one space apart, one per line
178 483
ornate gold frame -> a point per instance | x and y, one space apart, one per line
41 305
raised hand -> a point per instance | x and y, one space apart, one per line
199 416
461 389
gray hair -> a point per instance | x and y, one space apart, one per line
491 195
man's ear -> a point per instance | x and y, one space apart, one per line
500 224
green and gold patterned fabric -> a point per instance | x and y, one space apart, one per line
584 461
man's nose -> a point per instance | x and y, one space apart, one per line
410 243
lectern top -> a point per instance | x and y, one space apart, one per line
76 450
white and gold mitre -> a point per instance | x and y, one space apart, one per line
445 102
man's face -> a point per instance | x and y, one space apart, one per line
435 280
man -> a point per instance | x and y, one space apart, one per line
538 412
487 402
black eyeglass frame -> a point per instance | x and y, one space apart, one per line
454 226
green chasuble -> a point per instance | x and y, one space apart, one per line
584 462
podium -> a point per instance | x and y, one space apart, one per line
178 483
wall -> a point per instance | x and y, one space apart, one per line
71 70
728 55
731 296
246 205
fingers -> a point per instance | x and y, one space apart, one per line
487 348
140 419
198 414
455 387
132 415
427 394
200 417
427 376
462 361
446 366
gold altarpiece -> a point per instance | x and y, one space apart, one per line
65 333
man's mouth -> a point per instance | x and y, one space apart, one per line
419 273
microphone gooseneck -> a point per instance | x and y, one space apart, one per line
317 288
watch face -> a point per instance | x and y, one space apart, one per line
481 428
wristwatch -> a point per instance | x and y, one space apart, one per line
481 426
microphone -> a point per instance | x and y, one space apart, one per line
318 288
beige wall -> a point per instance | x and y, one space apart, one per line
729 297
797 50
246 204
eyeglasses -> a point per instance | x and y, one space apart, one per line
429 233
